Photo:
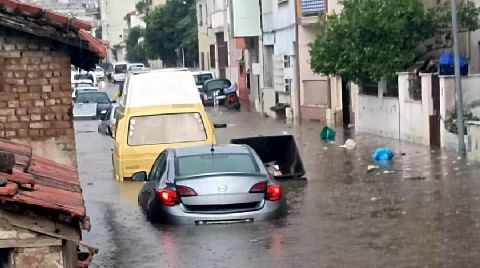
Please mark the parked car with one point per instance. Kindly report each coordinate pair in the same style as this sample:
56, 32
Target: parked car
84, 102
222, 90
105, 126
99, 73
209, 184
83, 89
202, 77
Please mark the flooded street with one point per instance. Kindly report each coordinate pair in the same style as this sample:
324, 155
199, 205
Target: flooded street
421, 211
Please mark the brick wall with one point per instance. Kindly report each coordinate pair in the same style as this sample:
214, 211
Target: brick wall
35, 94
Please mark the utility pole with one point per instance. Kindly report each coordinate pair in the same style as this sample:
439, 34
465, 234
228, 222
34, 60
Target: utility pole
458, 81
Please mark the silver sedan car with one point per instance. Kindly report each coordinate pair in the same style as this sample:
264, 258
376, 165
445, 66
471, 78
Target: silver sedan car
209, 185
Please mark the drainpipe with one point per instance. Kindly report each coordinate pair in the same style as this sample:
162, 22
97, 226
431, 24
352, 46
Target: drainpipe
298, 16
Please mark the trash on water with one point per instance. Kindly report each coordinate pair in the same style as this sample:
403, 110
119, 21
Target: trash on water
371, 168
325, 148
328, 134
382, 154
388, 172
349, 144
273, 169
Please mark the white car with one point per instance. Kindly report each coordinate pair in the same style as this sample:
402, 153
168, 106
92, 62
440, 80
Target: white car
84, 77
99, 73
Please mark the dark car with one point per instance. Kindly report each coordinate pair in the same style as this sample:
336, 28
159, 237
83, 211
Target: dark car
88, 98
210, 87
207, 185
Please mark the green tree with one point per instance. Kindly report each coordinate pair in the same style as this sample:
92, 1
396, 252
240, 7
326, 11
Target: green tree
169, 29
374, 39
135, 49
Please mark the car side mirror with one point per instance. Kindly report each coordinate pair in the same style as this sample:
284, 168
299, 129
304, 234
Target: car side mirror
139, 176
219, 125
113, 101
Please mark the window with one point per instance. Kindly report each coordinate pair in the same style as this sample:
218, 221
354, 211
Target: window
288, 85
286, 61
415, 87
166, 129
158, 167
200, 15
215, 163
392, 88
369, 88
202, 60
212, 56
5, 257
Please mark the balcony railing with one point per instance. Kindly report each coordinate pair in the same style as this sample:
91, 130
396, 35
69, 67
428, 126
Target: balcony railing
312, 7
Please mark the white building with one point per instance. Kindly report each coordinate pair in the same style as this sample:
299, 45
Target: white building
114, 26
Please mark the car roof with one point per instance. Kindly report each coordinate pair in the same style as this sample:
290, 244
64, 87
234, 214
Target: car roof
161, 88
206, 149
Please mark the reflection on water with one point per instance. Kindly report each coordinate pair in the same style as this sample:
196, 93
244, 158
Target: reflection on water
129, 190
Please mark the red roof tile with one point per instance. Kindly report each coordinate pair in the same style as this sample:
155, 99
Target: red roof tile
74, 28
42, 184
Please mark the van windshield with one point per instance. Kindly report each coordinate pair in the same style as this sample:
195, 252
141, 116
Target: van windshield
165, 129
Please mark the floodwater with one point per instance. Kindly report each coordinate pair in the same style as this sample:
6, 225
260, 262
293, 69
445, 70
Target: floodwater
421, 210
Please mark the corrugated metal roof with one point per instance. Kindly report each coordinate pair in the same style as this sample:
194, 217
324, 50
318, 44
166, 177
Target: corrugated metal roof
37, 182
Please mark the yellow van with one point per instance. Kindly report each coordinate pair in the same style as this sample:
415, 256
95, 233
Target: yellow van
158, 110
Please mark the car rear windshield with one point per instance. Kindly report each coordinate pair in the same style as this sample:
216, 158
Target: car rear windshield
92, 97
166, 129
83, 77
215, 163
121, 68
201, 78
218, 84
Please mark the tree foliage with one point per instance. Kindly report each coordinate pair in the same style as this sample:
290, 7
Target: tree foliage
169, 29
374, 39
135, 49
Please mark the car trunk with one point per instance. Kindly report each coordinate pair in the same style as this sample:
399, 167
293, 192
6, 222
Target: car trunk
225, 193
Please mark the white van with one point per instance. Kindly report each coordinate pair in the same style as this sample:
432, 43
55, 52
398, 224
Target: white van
120, 70
202, 76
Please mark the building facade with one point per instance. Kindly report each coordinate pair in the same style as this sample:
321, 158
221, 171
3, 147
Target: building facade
114, 26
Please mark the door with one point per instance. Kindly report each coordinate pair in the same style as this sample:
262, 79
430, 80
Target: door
154, 176
222, 51
346, 103
435, 117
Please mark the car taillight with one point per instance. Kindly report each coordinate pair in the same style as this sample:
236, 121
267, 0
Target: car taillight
274, 192
167, 197
259, 187
184, 191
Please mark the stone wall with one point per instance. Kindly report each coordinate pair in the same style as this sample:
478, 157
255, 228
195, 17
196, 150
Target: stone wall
35, 95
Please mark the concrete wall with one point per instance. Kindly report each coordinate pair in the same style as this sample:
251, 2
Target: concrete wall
377, 115
35, 96
415, 114
30, 249
471, 102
